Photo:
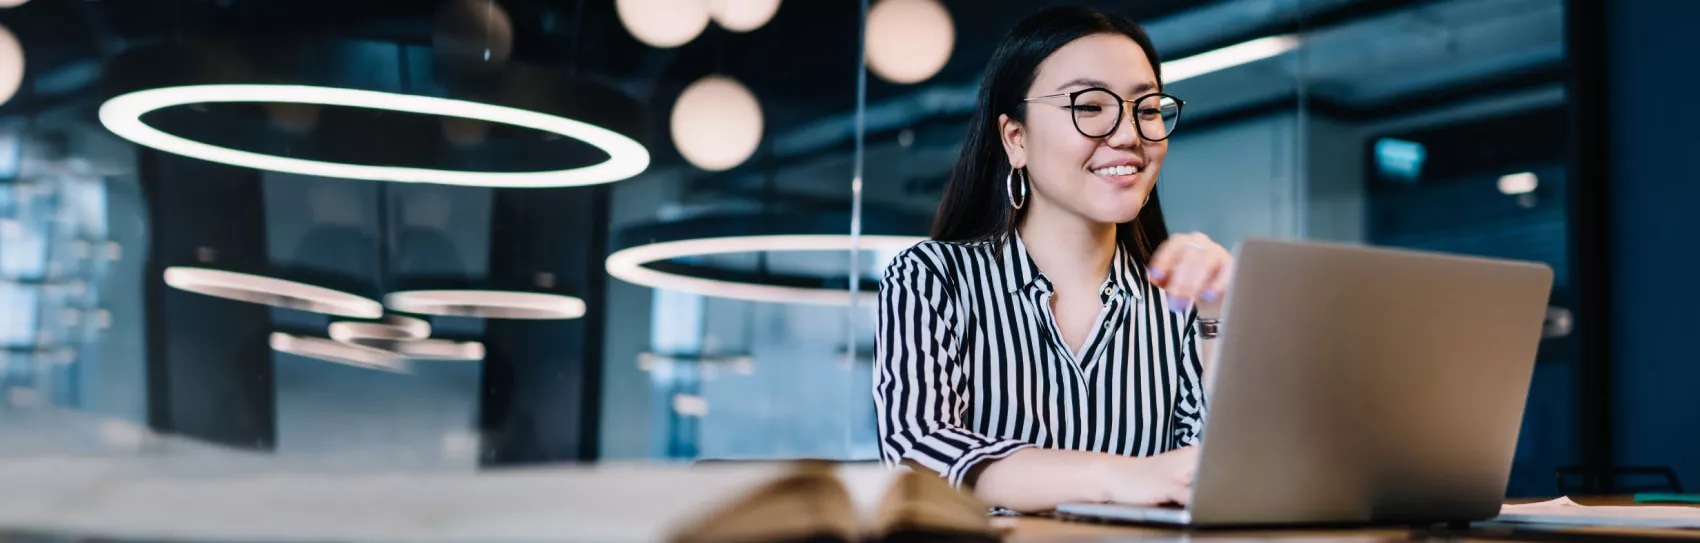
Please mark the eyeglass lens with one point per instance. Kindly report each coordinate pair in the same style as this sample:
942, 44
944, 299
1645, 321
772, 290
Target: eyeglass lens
1098, 112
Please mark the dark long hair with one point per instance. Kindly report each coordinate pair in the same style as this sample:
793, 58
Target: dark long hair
976, 200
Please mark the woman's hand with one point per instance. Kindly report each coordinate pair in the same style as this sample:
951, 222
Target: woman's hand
1192, 269
1153, 480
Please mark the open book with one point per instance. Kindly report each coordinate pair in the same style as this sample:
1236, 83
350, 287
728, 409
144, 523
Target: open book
813, 503
1564, 511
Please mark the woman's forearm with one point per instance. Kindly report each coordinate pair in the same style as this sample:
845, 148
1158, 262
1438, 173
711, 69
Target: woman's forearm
1035, 479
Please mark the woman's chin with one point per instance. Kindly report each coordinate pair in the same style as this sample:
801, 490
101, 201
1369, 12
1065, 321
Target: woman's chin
1118, 214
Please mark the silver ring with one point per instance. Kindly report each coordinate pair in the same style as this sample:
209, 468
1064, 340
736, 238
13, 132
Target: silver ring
1194, 245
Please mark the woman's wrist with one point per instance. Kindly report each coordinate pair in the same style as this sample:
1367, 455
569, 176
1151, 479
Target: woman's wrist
1208, 327
1105, 474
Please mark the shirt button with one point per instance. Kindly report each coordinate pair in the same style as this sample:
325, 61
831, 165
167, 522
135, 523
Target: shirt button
1106, 326
1109, 290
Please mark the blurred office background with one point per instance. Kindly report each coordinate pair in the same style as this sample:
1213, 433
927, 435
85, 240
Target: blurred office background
712, 306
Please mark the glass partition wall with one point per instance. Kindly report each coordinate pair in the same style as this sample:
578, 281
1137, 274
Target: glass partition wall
468, 234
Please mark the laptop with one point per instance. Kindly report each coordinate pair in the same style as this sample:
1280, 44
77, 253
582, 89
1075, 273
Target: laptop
1360, 385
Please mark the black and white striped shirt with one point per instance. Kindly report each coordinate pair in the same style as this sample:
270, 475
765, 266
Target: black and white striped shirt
970, 366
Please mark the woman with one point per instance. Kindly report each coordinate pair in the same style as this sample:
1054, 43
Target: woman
1045, 347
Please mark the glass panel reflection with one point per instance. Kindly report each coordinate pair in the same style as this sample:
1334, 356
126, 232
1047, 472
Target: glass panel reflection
661, 201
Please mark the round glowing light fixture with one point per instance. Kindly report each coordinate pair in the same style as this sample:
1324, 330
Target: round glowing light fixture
393, 327
909, 41
11, 64
12, 3
271, 291
663, 23
742, 15
424, 349
648, 262
497, 304
716, 123
1518, 183
341, 353
404, 337
123, 116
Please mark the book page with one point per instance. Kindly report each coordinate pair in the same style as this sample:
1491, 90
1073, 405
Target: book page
1568, 512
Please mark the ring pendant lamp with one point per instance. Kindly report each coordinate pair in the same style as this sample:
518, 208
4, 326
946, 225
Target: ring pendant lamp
156, 78
404, 337
647, 253
260, 289
339, 352
498, 304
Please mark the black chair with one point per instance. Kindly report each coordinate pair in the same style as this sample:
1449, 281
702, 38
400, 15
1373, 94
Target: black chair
1594, 483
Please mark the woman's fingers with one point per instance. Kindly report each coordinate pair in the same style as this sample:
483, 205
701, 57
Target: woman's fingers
1162, 263
1218, 285
1181, 495
1196, 269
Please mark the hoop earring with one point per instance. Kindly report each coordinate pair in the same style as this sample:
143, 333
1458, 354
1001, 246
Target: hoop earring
1009, 185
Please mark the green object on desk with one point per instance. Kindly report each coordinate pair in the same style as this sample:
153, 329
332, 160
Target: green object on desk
1657, 497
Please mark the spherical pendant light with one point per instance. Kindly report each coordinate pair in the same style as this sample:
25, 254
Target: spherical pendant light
909, 40
717, 123
742, 15
663, 23
11, 64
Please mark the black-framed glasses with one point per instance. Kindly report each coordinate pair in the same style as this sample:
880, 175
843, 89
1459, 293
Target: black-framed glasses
1098, 113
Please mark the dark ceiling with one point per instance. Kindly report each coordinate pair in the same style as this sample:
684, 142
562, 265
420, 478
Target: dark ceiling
802, 64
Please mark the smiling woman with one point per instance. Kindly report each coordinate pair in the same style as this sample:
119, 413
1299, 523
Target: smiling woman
1051, 273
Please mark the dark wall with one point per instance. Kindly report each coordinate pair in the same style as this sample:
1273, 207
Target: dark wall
541, 378
1653, 132
209, 364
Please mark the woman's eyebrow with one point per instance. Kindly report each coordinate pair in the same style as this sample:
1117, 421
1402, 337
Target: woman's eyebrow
1083, 82
1089, 82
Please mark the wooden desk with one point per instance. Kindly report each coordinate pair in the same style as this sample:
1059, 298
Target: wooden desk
1045, 530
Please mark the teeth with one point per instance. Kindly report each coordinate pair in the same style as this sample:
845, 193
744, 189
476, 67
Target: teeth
1116, 170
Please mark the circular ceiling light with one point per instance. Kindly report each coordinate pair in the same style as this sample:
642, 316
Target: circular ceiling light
424, 349
123, 116
909, 40
332, 351
496, 304
12, 3
742, 15
11, 64
663, 23
646, 263
393, 327
271, 291
404, 337
716, 123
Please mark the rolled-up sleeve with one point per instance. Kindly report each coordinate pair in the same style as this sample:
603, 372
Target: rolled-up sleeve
920, 390
1189, 411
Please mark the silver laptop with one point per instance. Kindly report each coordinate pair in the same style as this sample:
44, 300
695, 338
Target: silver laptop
1361, 385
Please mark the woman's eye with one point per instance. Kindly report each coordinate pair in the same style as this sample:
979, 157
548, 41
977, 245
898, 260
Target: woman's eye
1087, 108
1150, 112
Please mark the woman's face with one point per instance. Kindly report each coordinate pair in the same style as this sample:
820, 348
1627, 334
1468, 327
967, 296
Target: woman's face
1105, 179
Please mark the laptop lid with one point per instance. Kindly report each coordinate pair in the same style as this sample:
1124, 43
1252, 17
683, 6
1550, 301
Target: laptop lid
1358, 384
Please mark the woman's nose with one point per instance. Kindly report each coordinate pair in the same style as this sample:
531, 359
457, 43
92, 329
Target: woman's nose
1126, 133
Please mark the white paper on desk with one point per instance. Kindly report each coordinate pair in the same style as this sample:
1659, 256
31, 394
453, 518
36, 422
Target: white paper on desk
1567, 512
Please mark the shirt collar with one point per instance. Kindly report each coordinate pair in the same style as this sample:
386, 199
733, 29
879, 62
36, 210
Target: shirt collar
1019, 270
1126, 274
1021, 273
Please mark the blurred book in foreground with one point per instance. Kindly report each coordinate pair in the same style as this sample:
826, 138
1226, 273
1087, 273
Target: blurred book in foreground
813, 503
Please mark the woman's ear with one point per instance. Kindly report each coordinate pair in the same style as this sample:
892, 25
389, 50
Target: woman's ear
1014, 138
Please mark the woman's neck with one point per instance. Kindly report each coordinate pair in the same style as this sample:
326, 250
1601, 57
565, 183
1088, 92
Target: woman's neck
1069, 249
